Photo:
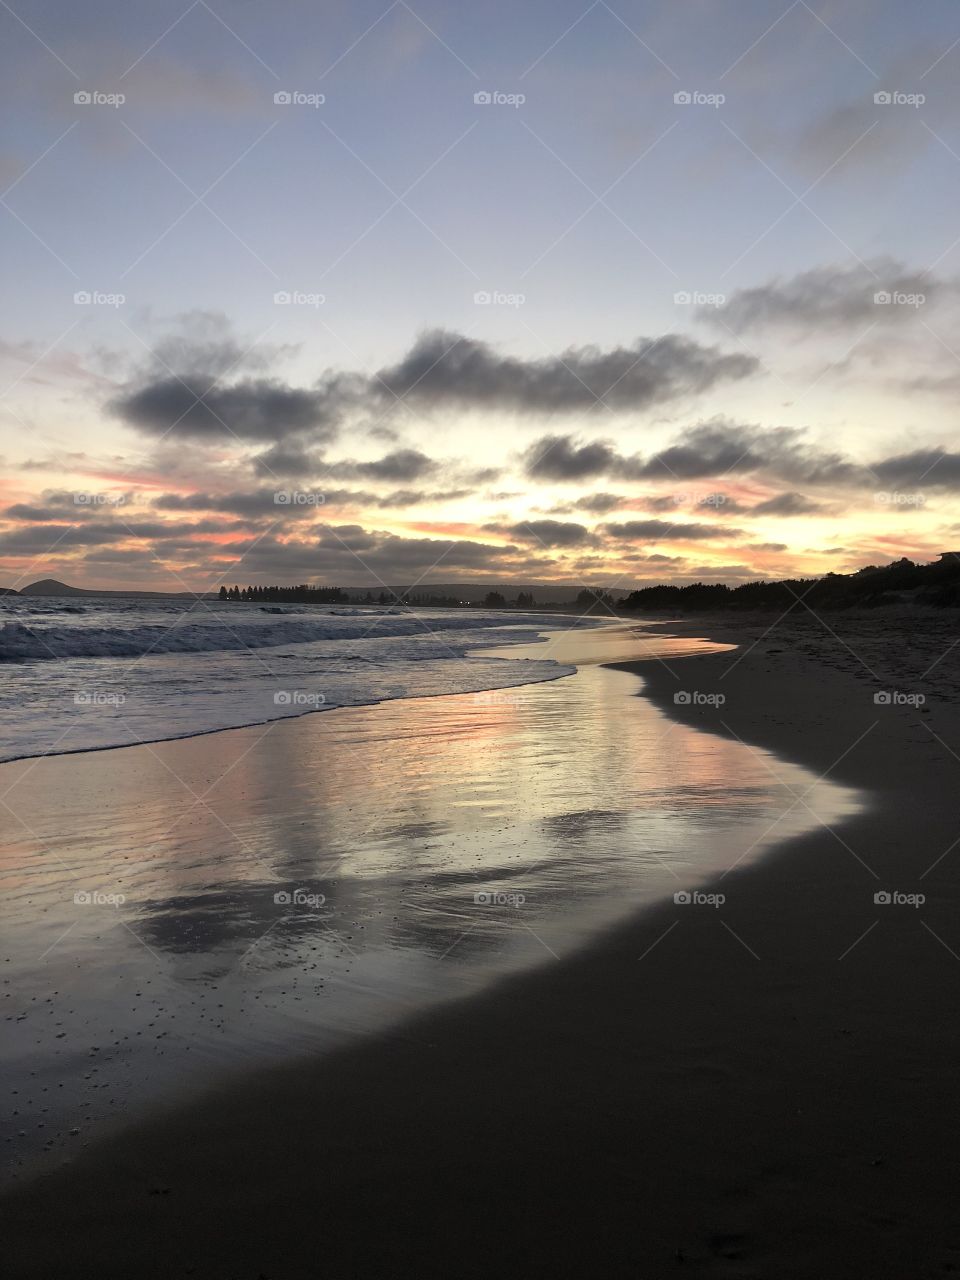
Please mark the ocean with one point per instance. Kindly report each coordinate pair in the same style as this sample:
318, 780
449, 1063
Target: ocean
87, 673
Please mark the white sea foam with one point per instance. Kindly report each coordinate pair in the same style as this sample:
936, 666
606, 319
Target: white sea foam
211, 631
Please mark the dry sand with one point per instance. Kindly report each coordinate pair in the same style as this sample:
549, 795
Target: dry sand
767, 1089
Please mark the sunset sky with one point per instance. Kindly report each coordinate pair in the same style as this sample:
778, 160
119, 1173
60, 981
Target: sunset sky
368, 293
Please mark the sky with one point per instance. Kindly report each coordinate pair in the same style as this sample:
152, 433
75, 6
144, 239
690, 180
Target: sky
383, 293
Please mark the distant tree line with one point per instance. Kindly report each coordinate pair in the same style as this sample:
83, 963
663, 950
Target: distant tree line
936, 584
302, 594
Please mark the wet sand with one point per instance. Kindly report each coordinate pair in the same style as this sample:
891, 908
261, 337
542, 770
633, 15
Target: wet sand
185, 911
767, 1088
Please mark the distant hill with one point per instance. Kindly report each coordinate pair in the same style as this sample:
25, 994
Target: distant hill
9, 591
51, 587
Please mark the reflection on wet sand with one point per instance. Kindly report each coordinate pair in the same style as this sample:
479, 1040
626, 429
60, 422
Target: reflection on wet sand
289, 885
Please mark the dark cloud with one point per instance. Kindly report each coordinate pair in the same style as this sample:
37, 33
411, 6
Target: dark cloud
416, 497
710, 450
186, 390
717, 572
787, 504
664, 530
401, 464
549, 533
26, 511
265, 503
723, 448
935, 468
41, 539
120, 555
444, 369
201, 381
288, 460
599, 504
562, 458
353, 554
347, 537
253, 410
254, 502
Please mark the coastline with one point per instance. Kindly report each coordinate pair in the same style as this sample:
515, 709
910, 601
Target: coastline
726, 1092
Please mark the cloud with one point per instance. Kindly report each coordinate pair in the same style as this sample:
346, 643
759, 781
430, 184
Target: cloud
788, 504
44, 539
186, 389
401, 464
354, 554
829, 297
288, 459
203, 344
253, 502
261, 409
599, 503
562, 458
202, 381
709, 450
934, 468
863, 134
549, 533
417, 497
664, 530
446, 369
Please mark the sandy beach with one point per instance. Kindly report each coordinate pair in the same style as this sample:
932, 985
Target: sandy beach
751, 1090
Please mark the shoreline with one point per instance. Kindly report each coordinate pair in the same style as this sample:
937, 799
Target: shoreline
726, 1091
